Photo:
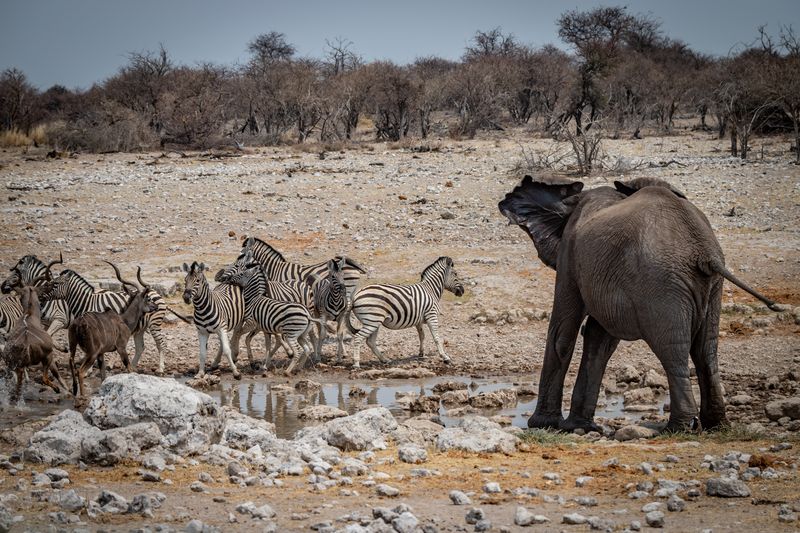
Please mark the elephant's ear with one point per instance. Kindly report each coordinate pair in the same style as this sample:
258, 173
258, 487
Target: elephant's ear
542, 210
629, 187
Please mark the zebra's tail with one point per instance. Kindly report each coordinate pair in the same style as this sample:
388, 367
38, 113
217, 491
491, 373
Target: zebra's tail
187, 319
350, 327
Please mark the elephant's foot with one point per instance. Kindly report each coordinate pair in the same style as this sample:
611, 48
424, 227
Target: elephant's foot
573, 423
711, 422
682, 424
545, 421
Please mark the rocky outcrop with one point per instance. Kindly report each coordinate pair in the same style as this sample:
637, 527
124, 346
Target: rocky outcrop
188, 419
362, 431
476, 434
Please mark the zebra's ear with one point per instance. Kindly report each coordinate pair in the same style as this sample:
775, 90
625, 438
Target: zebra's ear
202, 267
333, 265
185, 267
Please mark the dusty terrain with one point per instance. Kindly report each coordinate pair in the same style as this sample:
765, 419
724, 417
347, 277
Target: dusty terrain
396, 209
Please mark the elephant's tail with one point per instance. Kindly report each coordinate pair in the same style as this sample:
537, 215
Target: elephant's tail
719, 267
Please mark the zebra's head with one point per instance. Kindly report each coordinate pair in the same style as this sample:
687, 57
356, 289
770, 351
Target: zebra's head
244, 275
24, 272
237, 267
195, 276
444, 269
58, 287
336, 270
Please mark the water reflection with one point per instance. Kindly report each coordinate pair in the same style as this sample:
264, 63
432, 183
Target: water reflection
281, 404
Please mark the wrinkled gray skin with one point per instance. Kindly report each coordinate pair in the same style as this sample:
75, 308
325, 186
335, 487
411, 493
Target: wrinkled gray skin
638, 261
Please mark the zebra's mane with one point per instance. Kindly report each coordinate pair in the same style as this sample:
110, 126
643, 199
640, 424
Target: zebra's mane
77, 276
263, 248
430, 267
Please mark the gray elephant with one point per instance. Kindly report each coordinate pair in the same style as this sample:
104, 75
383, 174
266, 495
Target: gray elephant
641, 262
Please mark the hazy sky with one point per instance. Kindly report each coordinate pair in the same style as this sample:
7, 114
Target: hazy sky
79, 42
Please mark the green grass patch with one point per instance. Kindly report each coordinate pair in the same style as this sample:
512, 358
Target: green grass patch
545, 437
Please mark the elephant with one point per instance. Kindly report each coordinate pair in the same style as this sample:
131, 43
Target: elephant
636, 261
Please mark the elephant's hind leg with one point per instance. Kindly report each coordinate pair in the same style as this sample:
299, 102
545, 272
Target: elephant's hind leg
598, 345
704, 356
674, 356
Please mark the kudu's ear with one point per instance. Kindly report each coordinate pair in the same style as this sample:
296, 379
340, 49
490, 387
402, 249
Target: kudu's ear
542, 210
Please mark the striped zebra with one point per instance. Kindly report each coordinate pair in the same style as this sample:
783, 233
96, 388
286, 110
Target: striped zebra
403, 306
290, 321
330, 303
30, 269
276, 268
215, 311
294, 291
10, 311
82, 297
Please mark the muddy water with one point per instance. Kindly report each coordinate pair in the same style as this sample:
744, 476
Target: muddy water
257, 398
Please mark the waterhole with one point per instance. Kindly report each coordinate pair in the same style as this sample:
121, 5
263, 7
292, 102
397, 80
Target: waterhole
281, 405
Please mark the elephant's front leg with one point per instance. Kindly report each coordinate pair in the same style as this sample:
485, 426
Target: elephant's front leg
598, 346
565, 320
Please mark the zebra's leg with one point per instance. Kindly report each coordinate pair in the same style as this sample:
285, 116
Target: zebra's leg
340, 327
421, 333
158, 337
248, 341
300, 355
237, 334
271, 351
226, 349
433, 325
55, 326
372, 342
203, 339
138, 348
322, 334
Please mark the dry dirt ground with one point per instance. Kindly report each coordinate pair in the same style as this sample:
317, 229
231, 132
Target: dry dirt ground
395, 209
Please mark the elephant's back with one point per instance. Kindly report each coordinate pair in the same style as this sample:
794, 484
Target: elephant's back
640, 259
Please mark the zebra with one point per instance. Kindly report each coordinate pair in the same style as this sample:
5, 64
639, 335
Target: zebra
30, 269
276, 268
330, 303
82, 297
403, 306
299, 292
291, 321
10, 311
215, 311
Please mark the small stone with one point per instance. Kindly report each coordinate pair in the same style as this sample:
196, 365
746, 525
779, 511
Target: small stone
459, 498
652, 506
198, 486
474, 515
483, 525
574, 519
56, 474
646, 468
71, 501
655, 519
727, 488
586, 501
638, 494
405, 523
386, 490
492, 488
635, 525
412, 454
676, 503
582, 481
